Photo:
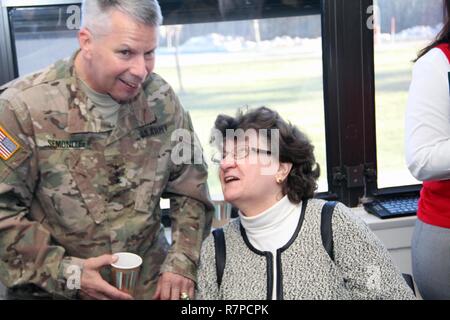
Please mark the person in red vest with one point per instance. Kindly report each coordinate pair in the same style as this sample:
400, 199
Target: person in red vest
427, 141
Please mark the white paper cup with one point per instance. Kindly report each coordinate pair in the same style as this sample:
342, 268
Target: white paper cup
222, 211
125, 271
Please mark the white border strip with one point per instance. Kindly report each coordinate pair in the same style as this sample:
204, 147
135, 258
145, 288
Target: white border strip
29, 3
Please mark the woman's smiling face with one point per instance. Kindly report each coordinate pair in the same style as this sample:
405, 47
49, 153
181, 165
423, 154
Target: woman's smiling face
248, 172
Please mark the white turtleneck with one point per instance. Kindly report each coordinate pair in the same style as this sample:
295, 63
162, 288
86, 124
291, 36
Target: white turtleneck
272, 229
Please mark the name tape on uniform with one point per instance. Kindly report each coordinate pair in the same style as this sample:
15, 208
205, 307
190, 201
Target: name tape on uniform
67, 144
149, 131
8, 146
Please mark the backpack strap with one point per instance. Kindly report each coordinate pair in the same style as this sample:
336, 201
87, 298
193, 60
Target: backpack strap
326, 230
219, 244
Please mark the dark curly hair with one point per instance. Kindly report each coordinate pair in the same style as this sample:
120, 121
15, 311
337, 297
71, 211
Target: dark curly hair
295, 148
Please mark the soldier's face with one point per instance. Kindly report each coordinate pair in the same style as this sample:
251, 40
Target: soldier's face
121, 58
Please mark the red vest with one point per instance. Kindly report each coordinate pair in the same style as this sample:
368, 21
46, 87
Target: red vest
434, 202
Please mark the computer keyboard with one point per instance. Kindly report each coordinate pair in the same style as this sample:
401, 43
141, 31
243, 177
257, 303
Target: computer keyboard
393, 207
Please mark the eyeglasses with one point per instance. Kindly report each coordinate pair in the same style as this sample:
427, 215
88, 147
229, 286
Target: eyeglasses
238, 154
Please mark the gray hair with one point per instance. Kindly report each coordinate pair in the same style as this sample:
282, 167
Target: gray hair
95, 13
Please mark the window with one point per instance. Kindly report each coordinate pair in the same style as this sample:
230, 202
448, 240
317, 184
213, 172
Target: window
218, 67
402, 28
238, 54
43, 35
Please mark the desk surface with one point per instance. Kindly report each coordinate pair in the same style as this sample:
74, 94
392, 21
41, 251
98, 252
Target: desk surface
372, 221
376, 223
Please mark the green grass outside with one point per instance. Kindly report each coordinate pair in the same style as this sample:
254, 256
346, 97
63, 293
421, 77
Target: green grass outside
292, 84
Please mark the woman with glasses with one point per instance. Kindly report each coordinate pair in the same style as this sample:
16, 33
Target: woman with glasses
275, 248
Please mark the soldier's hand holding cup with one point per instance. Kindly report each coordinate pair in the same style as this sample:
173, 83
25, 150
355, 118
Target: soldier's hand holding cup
93, 286
125, 271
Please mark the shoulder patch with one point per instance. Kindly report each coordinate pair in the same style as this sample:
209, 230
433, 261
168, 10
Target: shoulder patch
8, 146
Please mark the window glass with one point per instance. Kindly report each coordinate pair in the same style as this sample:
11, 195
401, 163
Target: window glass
402, 28
219, 67
43, 35
214, 67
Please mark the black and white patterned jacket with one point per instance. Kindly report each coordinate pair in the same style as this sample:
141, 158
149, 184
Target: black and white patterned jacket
362, 269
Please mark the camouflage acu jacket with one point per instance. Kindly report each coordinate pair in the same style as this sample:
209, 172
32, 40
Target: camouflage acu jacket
69, 190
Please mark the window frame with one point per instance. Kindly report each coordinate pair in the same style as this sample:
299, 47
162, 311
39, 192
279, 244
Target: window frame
349, 98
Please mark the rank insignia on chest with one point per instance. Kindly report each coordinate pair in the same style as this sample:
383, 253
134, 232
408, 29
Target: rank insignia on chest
150, 131
8, 146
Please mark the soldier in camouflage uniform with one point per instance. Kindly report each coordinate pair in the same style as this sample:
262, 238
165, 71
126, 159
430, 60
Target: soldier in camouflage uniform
76, 186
